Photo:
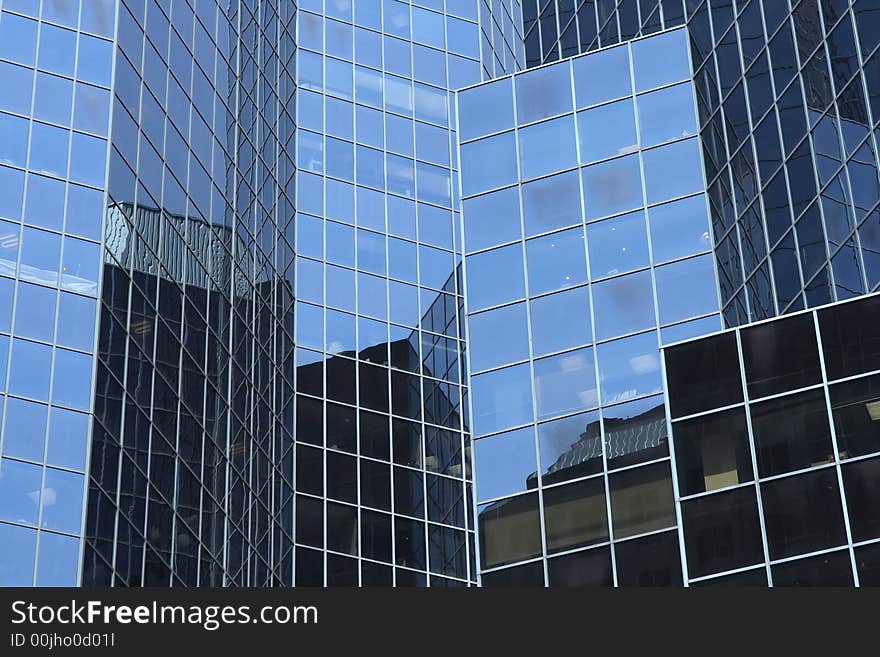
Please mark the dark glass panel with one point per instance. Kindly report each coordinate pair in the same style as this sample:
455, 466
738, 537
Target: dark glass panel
833, 569
850, 341
861, 484
712, 451
649, 561
780, 356
581, 569
722, 532
531, 574
509, 530
575, 515
641, 500
703, 374
803, 513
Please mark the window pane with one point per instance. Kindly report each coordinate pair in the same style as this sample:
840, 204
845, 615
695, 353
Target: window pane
551, 203
722, 532
849, 338
547, 147
618, 245
679, 228
607, 131
498, 337
68, 433
855, 407
602, 76
17, 82
531, 574
501, 399
495, 277
565, 383
18, 38
35, 312
712, 452
661, 59
556, 261
641, 500
612, 187
780, 356
629, 368
570, 447
505, 464
649, 561
753, 577
623, 305
686, 289
492, 219
24, 433
59, 560
510, 530
543, 92
824, 570
673, 170
590, 568
485, 109
560, 321
20, 491
575, 515
30, 369
40, 253
802, 513
868, 564
667, 114
45, 202
19, 549
635, 432
703, 375
791, 433
861, 482
488, 163
71, 384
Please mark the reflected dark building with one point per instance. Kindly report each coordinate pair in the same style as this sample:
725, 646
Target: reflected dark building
778, 466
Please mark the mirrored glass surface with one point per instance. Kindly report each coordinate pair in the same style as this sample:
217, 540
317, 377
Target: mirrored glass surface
565, 383
623, 305
516, 450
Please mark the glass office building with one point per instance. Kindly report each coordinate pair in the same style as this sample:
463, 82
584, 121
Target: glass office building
787, 95
776, 449
586, 234
279, 307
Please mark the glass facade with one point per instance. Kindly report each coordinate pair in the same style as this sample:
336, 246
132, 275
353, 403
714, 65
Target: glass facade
787, 96
777, 469
586, 237
55, 72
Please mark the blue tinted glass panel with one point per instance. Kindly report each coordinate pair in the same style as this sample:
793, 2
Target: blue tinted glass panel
29, 372
501, 399
49, 149
495, 277
45, 202
68, 433
485, 109
35, 312
80, 266
19, 491
62, 501
58, 560
498, 337
556, 261
565, 383
13, 140
19, 549
602, 76
547, 147
667, 114
612, 187
18, 38
673, 170
52, 99
629, 368
488, 163
692, 329
7, 288
560, 321
12, 183
543, 92
516, 450
17, 83
552, 203
618, 245
607, 131
73, 375
686, 289
24, 431
661, 59
84, 211
623, 305
57, 49
679, 228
